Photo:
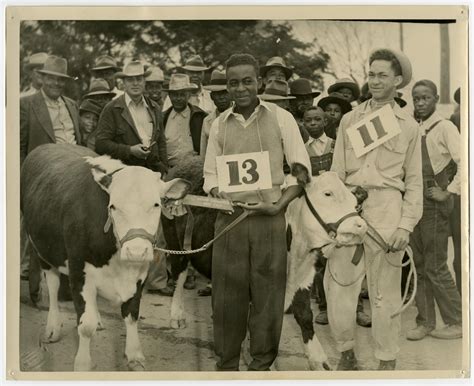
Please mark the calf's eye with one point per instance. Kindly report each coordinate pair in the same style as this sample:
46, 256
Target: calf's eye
111, 207
328, 194
156, 205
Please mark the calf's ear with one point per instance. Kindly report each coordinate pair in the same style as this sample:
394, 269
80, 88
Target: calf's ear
101, 177
99, 166
301, 173
175, 189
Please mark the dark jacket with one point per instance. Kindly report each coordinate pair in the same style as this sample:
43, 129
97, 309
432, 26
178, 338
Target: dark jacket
116, 133
195, 124
36, 127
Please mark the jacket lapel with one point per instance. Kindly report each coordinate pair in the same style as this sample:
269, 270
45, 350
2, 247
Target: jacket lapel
73, 113
127, 116
42, 113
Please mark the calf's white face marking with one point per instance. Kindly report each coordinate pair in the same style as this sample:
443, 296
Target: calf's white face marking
332, 200
135, 203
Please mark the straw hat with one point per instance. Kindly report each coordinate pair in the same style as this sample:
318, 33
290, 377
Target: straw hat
54, 65
276, 90
195, 63
276, 61
36, 60
133, 68
156, 75
180, 82
218, 81
104, 62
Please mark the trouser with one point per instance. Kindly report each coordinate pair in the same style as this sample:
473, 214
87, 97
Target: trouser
158, 273
248, 281
429, 242
343, 280
319, 282
455, 224
24, 250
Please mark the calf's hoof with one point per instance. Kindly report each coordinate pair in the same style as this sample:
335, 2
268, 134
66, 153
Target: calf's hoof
348, 361
178, 323
82, 365
52, 334
136, 365
319, 366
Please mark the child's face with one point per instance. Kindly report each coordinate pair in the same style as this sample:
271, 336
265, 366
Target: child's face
314, 122
88, 121
334, 111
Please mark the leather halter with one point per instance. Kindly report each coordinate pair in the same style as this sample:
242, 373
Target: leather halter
330, 228
132, 233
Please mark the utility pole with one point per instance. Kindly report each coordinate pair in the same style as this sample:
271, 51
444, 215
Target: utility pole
401, 37
444, 64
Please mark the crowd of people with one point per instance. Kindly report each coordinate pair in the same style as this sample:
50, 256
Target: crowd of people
140, 116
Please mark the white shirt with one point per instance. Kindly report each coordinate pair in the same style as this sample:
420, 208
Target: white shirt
318, 145
293, 146
443, 144
201, 99
141, 118
179, 142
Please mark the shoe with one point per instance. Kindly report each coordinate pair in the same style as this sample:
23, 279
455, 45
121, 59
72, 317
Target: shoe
167, 291
322, 318
348, 361
453, 331
207, 291
387, 365
418, 333
190, 282
364, 293
363, 319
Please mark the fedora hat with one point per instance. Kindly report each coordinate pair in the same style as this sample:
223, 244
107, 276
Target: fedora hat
195, 63
99, 86
90, 106
345, 83
36, 60
104, 62
337, 98
133, 68
54, 65
405, 65
302, 86
276, 61
218, 81
156, 75
276, 90
180, 82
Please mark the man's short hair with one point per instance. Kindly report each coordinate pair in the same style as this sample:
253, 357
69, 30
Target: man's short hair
242, 59
389, 57
427, 83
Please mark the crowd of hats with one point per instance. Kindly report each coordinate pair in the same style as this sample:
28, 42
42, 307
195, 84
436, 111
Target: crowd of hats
275, 89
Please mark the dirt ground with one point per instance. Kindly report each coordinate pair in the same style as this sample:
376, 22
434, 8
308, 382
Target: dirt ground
191, 349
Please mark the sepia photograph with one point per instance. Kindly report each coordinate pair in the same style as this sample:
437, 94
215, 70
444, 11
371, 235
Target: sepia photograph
211, 192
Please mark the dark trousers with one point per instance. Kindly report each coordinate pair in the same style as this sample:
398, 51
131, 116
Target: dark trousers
455, 224
319, 283
429, 242
248, 288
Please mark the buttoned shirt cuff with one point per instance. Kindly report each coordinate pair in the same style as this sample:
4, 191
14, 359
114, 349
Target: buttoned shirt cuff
453, 188
407, 224
210, 183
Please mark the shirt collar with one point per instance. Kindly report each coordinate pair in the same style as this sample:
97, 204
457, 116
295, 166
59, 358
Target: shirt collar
432, 119
129, 100
323, 139
185, 113
229, 112
397, 110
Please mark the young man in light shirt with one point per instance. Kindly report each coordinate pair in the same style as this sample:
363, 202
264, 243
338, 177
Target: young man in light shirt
249, 262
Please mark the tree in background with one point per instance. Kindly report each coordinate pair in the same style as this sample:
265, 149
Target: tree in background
167, 44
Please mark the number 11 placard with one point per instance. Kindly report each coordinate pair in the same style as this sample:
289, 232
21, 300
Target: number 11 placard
244, 172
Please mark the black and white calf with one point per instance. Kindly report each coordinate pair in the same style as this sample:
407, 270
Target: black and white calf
96, 220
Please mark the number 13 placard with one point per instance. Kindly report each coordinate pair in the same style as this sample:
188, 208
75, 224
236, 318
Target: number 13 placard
244, 172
